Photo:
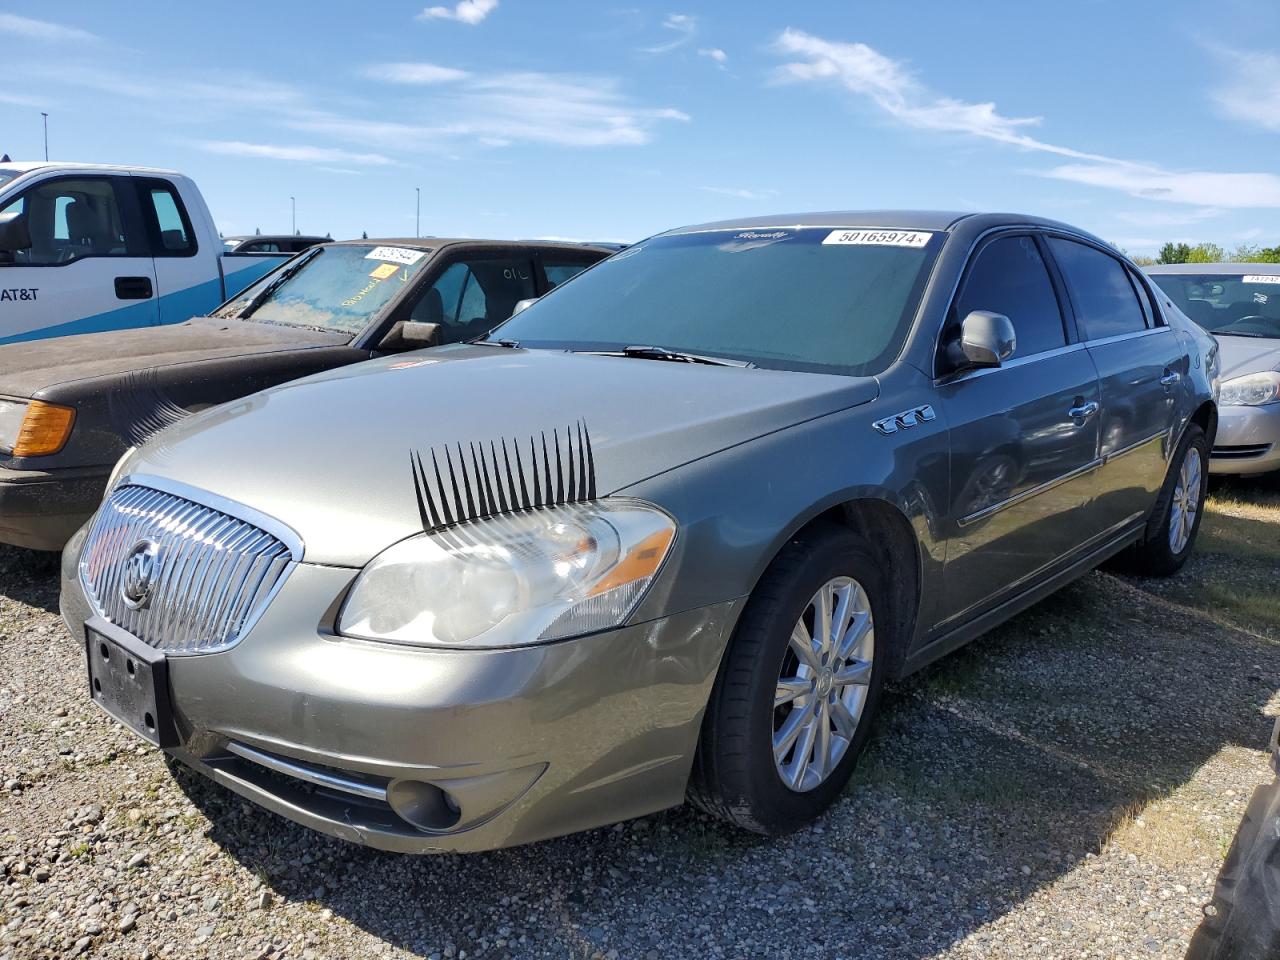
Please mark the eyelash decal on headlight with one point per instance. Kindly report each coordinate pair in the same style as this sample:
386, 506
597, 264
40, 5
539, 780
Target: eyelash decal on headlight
476, 483
141, 408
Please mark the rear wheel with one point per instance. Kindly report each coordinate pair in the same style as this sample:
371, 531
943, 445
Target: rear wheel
793, 705
1171, 534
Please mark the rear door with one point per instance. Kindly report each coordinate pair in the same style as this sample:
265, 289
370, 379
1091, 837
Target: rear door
1141, 364
89, 266
1024, 435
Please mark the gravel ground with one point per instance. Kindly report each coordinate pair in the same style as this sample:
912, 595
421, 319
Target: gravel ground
1064, 787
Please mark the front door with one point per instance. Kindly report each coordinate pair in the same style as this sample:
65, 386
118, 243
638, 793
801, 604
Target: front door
1024, 435
1141, 368
88, 267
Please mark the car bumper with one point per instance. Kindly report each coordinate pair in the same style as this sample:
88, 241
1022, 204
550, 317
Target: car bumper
520, 745
1248, 440
40, 510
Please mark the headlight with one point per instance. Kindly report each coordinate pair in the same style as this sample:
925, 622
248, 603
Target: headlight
34, 428
542, 575
1252, 390
118, 469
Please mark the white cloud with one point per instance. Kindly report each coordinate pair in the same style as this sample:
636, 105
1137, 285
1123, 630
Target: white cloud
297, 154
1168, 218
20, 100
42, 29
714, 53
1251, 91
414, 73
891, 87
470, 12
683, 25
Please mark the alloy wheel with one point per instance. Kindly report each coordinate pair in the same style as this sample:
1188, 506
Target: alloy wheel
1186, 501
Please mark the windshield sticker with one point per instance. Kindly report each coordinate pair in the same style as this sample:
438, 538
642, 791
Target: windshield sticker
1261, 278
880, 238
395, 255
368, 288
1260, 298
384, 270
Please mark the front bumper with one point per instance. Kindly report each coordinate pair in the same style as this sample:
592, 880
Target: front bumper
525, 743
1248, 440
40, 510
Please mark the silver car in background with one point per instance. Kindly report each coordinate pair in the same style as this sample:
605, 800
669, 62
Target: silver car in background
1239, 303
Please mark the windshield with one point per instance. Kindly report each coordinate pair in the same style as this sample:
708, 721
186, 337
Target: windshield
1229, 304
809, 298
338, 288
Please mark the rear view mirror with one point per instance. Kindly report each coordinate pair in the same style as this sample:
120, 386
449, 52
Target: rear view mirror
14, 235
522, 305
411, 335
986, 340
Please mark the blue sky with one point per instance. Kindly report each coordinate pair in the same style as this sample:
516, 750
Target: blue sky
1142, 121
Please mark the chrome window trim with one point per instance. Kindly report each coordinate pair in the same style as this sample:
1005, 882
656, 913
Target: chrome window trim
1131, 335
1017, 498
966, 375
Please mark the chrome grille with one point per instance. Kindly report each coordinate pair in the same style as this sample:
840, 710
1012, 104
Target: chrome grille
213, 573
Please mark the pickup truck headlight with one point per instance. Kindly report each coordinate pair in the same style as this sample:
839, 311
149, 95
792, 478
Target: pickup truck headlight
545, 574
34, 428
1252, 390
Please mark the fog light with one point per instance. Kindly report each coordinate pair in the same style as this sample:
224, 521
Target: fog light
424, 805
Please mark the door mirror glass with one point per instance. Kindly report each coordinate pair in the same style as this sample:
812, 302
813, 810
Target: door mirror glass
986, 340
14, 235
411, 335
523, 304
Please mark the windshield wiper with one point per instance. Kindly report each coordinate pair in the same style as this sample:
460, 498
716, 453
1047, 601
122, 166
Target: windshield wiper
1239, 333
675, 356
247, 310
497, 342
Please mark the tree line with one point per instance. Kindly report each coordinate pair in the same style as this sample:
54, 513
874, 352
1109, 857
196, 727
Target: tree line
1211, 253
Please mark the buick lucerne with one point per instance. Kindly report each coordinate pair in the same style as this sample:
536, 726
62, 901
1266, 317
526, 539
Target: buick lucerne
684, 517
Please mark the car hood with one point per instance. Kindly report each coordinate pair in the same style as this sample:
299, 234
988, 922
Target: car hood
1244, 355
334, 456
30, 367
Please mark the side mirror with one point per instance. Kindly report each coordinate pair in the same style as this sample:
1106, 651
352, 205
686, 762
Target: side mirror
410, 335
522, 305
14, 234
986, 340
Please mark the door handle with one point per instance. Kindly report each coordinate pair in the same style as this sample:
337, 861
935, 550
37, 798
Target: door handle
1083, 411
1170, 378
133, 288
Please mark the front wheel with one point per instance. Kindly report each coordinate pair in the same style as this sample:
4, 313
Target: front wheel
1175, 521
792, 707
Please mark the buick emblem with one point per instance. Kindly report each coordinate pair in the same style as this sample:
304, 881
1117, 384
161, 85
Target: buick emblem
141, 568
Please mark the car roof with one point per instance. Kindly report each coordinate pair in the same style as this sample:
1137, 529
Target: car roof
436, 243
889, 219
1226, 269
278, 236
26, 166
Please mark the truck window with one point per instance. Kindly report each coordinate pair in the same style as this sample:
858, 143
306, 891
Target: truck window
472, 297
167, 220
70, 219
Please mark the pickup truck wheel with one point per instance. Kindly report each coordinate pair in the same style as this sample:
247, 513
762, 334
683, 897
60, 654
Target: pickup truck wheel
793, 705
1175, 520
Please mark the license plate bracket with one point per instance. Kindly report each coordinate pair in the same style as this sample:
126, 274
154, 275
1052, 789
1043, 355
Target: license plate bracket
130, 682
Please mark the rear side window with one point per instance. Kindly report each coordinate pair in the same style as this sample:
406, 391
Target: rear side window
1106, 303
1010, 277
558, 273
167, 221
472, 297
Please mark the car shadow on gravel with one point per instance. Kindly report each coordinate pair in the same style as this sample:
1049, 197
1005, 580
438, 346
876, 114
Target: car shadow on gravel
993, 774
30, 577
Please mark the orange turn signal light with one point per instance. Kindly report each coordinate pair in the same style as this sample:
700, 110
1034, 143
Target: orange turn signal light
45, 429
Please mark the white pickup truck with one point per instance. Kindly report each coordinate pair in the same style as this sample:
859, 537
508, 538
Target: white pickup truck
90, 247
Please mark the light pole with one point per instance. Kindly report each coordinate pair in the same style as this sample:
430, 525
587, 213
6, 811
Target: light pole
293, 215
417, 211
46, 135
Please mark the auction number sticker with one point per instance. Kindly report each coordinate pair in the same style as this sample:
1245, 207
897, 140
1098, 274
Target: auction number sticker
880, 238
395, 255
1261, 278
384, 270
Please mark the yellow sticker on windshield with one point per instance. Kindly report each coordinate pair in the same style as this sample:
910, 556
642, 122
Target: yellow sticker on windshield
384, 270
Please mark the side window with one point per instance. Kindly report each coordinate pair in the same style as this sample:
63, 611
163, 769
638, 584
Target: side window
1009, 276
167, 221
472, 297
558, 273
69, 220
263, 246
1105, 301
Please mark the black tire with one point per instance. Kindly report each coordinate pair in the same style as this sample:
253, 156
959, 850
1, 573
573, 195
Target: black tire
734, 776
1153, 556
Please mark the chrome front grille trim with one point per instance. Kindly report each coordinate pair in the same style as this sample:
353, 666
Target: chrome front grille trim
216, 567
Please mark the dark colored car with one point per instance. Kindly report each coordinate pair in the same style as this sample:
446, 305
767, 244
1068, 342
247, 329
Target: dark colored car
70, 406
675, 526
272, 243
1244, 920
